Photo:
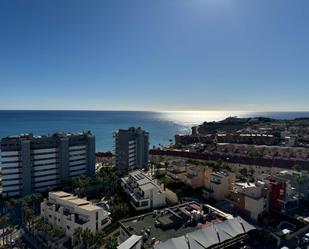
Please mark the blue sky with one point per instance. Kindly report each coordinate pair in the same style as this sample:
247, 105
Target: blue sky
154, 54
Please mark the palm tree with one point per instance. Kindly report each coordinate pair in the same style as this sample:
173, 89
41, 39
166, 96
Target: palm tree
80, 183
28, 215
20, 244
4, 218
9, 231
87, 237
99, 239
111, 243
99, 182
77, 235
35, 199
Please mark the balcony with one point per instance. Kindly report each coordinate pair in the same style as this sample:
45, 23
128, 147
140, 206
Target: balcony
215, 181
79, 220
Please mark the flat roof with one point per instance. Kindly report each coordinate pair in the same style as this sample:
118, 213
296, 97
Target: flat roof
91, 207
74, 200
173, 222
61, 194
148, 186
79, 202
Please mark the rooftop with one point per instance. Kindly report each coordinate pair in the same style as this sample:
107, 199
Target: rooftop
30, 136
213, 235
74, 200
171, 222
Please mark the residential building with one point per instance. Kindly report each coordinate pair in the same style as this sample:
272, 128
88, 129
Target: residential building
143, 192
196, 176
70, 212
298, 180
131, 150
250, 198
189, 220
134, 242
36, 163
228, 234
283, 197
219, 185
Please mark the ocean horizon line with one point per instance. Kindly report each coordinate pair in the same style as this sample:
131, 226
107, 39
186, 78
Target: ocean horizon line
136, 110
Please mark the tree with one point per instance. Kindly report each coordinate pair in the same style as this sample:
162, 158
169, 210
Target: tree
28, 215
99, 182
35, 199
87, 237
9, 231
252, 171
119, 210
111, 243
81, 183
77, 235
4, 218
99, 238
243, 172
20, 244
166, 164
296, 167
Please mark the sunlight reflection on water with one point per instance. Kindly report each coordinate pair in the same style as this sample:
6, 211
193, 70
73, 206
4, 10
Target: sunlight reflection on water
198, 117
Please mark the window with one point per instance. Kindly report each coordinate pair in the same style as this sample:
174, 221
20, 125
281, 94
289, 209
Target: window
144, 203
104, 222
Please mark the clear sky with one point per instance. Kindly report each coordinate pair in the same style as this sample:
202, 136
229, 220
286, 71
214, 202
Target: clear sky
154, 54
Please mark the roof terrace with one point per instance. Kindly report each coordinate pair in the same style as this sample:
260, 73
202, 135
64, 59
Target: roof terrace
161, 225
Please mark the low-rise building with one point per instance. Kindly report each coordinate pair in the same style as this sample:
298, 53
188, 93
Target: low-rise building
228, 234
283, 197
219, 185
196, 176
298, 180
191, 220
69, 212
250, 197
143, 192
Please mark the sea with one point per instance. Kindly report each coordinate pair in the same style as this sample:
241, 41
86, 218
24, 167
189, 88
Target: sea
162, 126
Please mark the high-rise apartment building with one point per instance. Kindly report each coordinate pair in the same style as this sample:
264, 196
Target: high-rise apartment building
131, 149
34, 163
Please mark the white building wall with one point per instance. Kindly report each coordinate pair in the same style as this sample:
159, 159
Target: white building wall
255, 207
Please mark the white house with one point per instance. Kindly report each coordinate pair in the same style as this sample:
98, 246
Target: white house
70, 212
142, 191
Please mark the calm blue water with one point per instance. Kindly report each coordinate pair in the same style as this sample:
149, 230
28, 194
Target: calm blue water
161, 125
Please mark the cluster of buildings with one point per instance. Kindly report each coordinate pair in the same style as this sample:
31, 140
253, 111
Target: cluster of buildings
278, 192
37, 163
184, 226
264, 151
241, 138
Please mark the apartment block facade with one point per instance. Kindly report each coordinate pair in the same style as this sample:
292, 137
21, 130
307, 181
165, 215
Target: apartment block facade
250, 198
143, 192
219, 185
70, 212
131, 149
35, 163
